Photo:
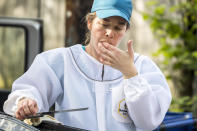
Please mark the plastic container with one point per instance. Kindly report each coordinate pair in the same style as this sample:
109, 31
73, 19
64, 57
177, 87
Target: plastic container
177, 122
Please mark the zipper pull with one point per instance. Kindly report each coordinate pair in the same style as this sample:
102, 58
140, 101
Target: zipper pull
102, 75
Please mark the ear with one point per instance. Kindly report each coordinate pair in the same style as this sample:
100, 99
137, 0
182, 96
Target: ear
89, 25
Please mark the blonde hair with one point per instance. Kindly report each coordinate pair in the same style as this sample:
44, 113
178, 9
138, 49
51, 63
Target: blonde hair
90, 17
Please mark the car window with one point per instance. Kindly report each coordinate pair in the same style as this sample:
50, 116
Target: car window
12, 55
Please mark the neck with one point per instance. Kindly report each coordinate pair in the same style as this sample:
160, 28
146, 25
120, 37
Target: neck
91, 51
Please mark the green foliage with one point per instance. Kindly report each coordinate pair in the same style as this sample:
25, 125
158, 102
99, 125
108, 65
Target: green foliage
12, 47
175, 27
184, 104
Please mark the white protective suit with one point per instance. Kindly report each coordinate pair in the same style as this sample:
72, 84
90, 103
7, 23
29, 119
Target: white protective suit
71, 78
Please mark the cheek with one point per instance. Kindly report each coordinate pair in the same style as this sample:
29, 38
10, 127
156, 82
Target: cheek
118, 38
121, 34
97, 34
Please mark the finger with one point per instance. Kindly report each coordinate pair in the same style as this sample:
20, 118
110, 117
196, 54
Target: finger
33, 107
109, 46
130, 48
113, 51
106, 51
21, 117
20, 110
26, 108
105, 62
20, 114
104, 57
17, 114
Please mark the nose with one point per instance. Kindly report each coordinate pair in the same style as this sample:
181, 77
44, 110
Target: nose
109, 33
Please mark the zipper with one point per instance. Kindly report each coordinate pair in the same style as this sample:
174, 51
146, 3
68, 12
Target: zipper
102, 75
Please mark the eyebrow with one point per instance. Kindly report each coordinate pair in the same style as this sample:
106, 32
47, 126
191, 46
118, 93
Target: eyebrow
120, 22
106, 19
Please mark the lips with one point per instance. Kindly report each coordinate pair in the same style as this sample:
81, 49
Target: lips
104, 42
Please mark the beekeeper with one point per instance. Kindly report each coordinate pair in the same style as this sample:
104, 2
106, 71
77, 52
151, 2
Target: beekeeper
124, 91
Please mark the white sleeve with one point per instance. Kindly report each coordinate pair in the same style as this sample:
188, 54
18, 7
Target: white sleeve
143, 99
147, 96
39, 83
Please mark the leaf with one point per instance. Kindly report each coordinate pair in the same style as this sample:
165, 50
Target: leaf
160, 10
194, 54
146, 16
151, 3
173, 9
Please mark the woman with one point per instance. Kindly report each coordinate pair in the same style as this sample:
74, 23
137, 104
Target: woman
123, 90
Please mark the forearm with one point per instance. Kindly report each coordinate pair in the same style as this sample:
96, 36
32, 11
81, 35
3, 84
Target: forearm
146, 106
10, 105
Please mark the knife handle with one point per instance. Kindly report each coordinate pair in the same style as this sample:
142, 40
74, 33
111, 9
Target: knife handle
35, 116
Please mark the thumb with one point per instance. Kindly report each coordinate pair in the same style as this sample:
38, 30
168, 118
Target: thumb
130, 48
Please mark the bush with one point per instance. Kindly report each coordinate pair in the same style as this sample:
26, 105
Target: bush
175, 27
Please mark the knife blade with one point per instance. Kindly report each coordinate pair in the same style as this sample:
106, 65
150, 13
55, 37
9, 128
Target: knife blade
53, 112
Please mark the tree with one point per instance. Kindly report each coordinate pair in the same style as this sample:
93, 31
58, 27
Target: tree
75, 21
175, 27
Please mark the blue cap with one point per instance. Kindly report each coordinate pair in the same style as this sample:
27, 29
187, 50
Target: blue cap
107, 8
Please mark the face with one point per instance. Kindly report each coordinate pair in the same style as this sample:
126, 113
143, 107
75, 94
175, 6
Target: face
110, 30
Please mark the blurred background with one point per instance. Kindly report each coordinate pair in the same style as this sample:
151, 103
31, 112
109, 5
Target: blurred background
166, 31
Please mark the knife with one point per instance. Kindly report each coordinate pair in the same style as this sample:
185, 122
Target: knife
53, 112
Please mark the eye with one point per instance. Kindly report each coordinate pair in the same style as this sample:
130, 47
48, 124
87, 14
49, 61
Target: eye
117, 28
105, 25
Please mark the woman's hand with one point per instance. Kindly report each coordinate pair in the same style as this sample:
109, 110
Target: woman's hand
118, 59
26, 107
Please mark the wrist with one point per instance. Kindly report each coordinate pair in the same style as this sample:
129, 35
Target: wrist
131, 73
127, 76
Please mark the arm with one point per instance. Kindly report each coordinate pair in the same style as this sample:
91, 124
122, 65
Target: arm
147, 96
144, 88
40, 83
